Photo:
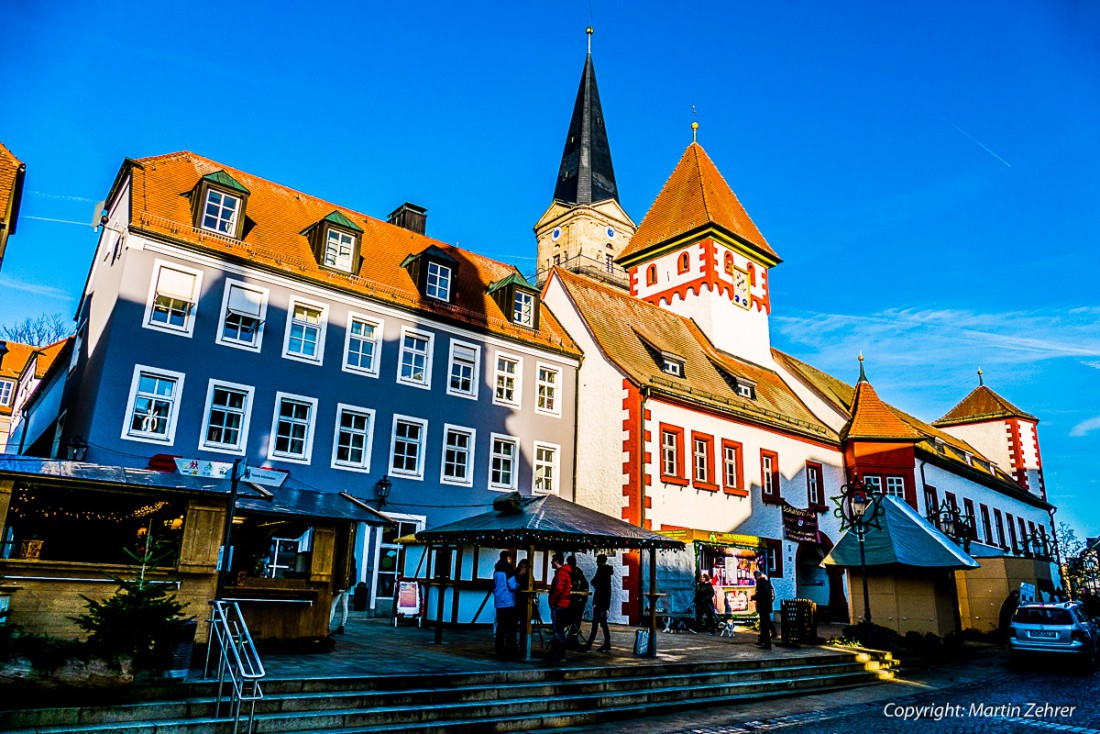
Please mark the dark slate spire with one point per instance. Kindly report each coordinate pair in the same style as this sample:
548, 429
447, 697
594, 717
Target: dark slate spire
586, 174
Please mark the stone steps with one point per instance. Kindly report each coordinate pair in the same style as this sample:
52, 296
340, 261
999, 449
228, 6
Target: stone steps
493, 701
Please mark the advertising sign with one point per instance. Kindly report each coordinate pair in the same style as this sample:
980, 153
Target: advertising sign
202, 468
799, 525
408, 598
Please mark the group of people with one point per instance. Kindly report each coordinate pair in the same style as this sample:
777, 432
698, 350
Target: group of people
764, 596
567, 600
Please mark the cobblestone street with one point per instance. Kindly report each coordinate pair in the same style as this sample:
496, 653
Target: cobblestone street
982, 696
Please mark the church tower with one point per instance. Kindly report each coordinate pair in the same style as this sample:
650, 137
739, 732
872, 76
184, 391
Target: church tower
697, 253
585, 229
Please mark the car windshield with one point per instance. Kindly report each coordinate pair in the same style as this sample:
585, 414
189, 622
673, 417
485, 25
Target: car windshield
1042, 615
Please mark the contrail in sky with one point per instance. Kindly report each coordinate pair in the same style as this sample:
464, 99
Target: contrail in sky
977, 142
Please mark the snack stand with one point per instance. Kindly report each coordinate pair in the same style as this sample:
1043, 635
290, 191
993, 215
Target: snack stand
728, 558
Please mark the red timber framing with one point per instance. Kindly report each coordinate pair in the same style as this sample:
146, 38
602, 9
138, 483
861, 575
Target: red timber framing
706, 270
636, 484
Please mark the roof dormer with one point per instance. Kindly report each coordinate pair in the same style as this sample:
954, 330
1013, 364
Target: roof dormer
433, 271
218, 203
518, 299
335, 241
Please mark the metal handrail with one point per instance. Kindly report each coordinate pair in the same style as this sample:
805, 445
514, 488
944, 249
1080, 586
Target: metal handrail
237, 660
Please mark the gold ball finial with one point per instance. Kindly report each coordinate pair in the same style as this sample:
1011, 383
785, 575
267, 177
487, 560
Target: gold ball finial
588, 30
861, 356
694, 132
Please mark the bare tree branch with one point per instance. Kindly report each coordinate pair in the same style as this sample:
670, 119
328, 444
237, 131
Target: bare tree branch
38, 332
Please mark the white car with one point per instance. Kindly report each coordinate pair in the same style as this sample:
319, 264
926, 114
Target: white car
1055, 629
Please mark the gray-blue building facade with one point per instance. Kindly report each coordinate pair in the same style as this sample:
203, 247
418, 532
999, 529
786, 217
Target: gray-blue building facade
227, 317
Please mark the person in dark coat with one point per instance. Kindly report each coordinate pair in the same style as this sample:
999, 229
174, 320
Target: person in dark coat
504, 599
704, 602
560, 589
578, 601
764, 598
601, 603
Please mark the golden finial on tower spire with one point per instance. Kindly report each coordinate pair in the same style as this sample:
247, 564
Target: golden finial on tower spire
862, 374
981, 381
695, 125
589, 31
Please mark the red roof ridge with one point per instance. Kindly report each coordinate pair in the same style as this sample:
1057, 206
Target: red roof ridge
982, 404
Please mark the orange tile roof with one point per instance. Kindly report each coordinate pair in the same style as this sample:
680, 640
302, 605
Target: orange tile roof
841, 396
275, 217
981, 405
873, 419
695, 195
20, 355
9, 170
621, 326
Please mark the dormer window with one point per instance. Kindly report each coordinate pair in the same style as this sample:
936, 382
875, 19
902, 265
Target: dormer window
219, 203
220, 213
439, 281
338, 249
518, 299
335, 242
746, 389
523, 312
672, 365
433, 271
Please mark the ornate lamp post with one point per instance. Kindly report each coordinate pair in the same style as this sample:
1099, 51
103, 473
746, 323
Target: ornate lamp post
859, 510
956, 526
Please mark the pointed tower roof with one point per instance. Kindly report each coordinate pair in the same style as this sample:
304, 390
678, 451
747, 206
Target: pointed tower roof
586, 174
872, 419
981, 405
696, 197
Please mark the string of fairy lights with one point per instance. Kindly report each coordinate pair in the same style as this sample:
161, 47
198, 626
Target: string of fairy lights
26, 505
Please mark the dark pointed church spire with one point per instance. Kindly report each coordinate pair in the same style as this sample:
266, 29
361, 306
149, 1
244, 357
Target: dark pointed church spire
586, 174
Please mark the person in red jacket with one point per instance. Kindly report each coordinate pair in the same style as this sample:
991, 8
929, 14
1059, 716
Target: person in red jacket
560, 589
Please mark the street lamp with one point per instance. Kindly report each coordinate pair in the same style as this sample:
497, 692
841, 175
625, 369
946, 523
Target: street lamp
859, 510
956, 526
382, 490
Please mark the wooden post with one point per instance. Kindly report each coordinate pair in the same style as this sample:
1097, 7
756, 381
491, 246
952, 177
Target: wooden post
439, 578
652, 651
530, 602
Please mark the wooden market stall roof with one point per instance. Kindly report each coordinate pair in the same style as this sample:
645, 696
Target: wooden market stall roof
547, 523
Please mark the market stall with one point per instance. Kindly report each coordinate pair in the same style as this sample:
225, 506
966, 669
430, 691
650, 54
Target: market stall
537, 526
729, 559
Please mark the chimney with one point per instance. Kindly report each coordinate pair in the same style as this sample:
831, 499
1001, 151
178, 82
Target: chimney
410, 216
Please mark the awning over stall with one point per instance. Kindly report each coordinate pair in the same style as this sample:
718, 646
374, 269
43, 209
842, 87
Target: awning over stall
546, 522
101, 474
306, 503
903, 537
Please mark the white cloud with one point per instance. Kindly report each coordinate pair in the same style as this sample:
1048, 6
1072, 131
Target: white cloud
1085, 427
46, 291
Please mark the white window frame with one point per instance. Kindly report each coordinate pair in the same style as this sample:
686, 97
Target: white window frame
378, 340
188, 329
7, 397
813, 486
246, 418
329, 232
555, 468
448, 429
539, 367
895, 483
423, 423
169, 437
232, 232
322, 328
517, 311
220, 337
731, 465
518, 388
445, 273
872, 483
700, 460
310, 429
670, 452
408, 331
364, 465
493, 438
475, 380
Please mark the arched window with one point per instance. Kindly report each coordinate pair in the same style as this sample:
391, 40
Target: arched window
729, 263
685, 263
651, 275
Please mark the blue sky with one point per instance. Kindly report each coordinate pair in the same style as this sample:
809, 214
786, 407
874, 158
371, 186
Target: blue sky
930, 172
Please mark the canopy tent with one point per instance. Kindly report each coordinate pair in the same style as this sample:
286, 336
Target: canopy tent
551, 523
901, 537
546, 523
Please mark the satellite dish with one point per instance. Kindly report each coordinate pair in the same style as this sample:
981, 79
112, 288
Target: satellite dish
99, 215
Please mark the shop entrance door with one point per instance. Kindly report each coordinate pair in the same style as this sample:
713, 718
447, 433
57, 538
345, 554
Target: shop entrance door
386, 554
